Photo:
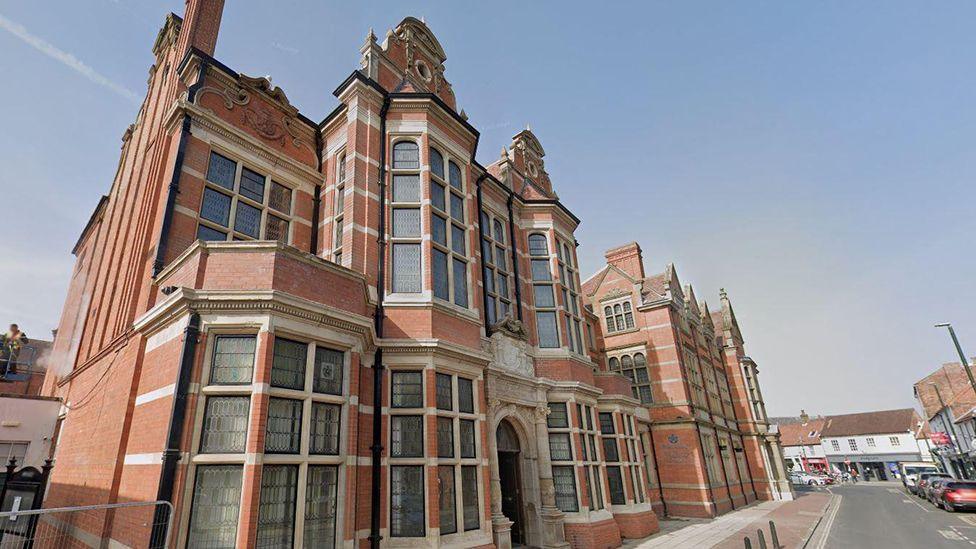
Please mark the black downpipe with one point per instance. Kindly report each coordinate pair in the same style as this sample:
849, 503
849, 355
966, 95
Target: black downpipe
174, 183
317, 199
515, 263
171, 455
377, 447
725, 472
481, 234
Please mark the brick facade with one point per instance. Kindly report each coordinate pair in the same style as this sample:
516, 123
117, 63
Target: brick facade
261, 271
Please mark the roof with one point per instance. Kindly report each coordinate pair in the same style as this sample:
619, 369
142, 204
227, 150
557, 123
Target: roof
655, 287
801, 434
871, 423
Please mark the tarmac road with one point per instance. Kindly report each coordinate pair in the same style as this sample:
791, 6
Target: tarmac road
883, 515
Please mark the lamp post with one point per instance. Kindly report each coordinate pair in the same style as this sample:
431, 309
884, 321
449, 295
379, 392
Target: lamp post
952, 427
962, 355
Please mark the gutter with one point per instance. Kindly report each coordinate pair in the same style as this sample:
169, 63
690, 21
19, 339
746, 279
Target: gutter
378, 316
174, 183
317, 199
171, 455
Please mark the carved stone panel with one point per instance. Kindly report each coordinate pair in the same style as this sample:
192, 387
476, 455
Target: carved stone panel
509, 354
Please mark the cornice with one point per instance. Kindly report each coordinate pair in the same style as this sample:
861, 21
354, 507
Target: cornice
432, 347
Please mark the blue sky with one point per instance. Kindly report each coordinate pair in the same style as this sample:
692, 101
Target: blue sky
815, 159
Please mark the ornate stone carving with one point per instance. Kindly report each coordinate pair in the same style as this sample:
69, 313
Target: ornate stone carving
542, 413
509, 353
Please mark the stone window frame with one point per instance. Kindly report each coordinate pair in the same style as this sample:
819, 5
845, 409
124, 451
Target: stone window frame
709, 447
618, 315
569, 290
588, 430
448, 247
338, 204
630, 438
415, 461
694, 377
490, 269
549, 283
413, 241
566, 463
301, 460
457, 461
236, 198
616, 363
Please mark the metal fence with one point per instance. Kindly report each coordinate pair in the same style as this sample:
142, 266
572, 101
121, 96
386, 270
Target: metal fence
139, 524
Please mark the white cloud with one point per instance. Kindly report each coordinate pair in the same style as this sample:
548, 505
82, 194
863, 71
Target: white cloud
284, 48
66, 59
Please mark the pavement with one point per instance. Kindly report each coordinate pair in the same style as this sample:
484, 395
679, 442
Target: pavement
795, 521
876, 515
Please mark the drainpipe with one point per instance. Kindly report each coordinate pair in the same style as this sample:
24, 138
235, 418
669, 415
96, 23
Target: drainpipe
171, 455
174, 183
481, 233
378, 315
515, 263
317, 199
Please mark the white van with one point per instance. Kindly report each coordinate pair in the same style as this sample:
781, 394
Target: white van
910, 470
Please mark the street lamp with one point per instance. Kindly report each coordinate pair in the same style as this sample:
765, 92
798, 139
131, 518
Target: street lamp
962, 355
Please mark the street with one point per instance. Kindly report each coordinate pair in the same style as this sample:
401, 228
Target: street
883, 515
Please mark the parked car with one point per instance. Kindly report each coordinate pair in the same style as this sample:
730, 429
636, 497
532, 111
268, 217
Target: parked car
923, 482
953, 495
802, 477
931, 489
912, 471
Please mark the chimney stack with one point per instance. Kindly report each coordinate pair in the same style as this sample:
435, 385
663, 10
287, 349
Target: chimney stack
628, 258
201, 23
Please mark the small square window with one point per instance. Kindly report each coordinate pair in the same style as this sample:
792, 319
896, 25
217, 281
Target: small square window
225, 425
252, 185
457, 207
407, 436
457, 240
606, 423
408, 389
216, 207
406, 188
406, 268
233, 360
275, 228
207, 234
280, 198
222, 171
610, 453
540, 270
559, 448
406, 222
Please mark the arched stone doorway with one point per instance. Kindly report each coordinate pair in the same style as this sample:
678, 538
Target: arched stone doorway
510, 479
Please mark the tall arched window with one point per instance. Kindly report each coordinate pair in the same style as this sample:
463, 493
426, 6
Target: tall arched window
611, 325
543, 292
340, 207
628, 315
449, 267
406, 237
635, 368
614, 364
495, 269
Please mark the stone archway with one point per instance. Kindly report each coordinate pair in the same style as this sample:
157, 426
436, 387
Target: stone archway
513, 451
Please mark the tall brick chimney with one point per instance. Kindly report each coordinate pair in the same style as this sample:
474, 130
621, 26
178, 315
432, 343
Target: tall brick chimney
201, 22
628, 259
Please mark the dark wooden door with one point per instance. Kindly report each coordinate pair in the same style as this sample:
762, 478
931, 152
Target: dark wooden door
511, 483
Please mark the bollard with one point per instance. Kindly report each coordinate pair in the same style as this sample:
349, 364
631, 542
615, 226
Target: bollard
773, 538
748, 542
762, 539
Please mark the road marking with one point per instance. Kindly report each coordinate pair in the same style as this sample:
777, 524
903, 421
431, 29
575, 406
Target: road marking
829, 522
894, 490
916, 504
950, 534
968, 519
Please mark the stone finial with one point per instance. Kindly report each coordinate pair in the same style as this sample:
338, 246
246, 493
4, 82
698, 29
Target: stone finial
370, 36
722, 294
504, 155
464, 115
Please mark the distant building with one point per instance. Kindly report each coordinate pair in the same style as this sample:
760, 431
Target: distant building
800, 438
874, 443
947, 399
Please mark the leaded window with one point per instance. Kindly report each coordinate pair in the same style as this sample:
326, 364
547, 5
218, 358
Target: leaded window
635, 368
569, 279
405, 214
276, 513
468, 448
619, 317
324, 431
233, 360
469, 492
216, 506
449, 264
408, 389
407, 436
239, 203
445, 437
495, 267
340, 208
284, 429
407, 501
225, 421
465, 395
288, 365
327, 373
564, 481
558, 416
445, 398
447, 500
321, 490
544, 292
559, 448
616, 482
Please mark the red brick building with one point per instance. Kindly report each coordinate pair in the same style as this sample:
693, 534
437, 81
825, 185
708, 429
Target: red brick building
330, 333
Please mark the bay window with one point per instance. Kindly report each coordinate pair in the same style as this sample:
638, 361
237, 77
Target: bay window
543, 292
495, 267
405, 218
449, 267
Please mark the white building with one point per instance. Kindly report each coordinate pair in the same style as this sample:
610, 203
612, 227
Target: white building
801, 445
874, 443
